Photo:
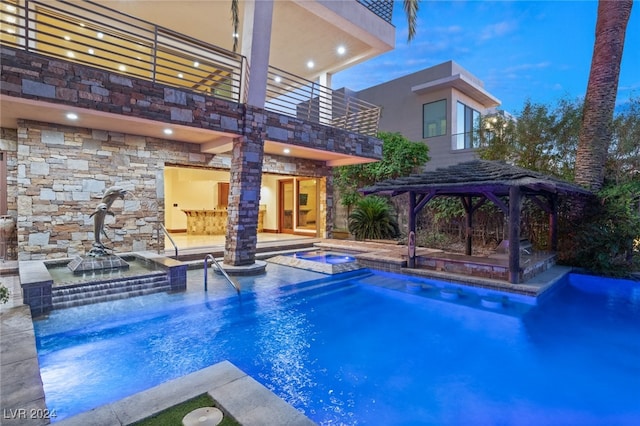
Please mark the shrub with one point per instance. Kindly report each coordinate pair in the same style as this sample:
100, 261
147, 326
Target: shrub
373, 218
4, 294
605, 240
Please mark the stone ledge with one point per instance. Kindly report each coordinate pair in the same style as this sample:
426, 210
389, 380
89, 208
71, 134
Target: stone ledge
240, 396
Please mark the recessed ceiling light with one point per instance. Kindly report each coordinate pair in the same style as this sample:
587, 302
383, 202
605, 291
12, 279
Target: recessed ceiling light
278, 79
11, 8
82, 25
235, 35
310, 64
180, 75
11, 31
341, 50
91, 51
72, 116
122, 68
99, 35
196, 64
11, 19
286, 151
168, 131
71, 54
67, 37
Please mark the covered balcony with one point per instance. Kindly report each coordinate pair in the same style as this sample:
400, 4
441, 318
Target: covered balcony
97, 37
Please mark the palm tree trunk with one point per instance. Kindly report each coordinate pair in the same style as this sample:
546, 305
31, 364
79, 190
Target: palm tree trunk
600, 100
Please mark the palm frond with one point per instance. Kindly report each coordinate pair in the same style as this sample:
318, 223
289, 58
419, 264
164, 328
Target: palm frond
411, 10
235, 20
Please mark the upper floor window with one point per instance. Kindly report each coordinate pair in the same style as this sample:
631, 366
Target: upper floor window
467, 134
434, 119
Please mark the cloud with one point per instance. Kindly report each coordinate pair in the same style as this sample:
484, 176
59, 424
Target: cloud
527, 67
497, 30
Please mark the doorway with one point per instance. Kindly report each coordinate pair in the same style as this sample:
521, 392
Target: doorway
286, 205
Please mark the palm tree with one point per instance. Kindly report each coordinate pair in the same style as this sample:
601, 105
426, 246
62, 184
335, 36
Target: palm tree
600, 100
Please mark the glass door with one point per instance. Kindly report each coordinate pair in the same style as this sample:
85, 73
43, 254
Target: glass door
307, 204
286, 205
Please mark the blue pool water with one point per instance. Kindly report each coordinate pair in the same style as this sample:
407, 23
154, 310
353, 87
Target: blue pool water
345, 351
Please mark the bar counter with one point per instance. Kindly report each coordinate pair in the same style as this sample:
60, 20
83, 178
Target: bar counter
212, 222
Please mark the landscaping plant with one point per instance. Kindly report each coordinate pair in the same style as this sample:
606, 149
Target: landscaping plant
373, 218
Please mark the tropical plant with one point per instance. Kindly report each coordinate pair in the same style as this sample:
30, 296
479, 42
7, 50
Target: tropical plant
4, 294
606, 239
373, 218
400, 157
600, 100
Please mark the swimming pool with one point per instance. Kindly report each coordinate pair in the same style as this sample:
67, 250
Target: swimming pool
345, 351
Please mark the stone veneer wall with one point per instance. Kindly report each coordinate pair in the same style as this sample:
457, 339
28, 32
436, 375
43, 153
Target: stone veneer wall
9, 144
62, 173
28, 75
59, 174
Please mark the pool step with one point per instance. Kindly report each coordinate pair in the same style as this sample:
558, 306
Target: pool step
88, 293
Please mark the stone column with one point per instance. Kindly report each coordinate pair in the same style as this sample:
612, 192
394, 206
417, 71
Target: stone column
244, 191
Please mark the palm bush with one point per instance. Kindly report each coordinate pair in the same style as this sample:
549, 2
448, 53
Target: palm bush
373, 218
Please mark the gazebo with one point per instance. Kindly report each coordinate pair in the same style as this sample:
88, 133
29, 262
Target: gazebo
475, 182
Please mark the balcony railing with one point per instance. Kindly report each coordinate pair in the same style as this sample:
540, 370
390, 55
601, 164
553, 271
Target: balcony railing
97, 36
382, 8
295, 96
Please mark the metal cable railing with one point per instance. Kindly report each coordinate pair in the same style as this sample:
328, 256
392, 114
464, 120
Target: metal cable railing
94, 35
297, 97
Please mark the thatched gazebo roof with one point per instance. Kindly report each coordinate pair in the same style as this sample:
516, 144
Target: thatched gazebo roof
475, 177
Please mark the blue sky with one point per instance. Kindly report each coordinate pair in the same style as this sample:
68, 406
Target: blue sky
537, 50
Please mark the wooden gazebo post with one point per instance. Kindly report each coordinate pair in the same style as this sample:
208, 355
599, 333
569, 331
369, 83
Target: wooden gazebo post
514, 234
553, 222
411, 261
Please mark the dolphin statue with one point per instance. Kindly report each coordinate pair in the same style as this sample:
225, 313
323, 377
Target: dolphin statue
101, 211
113, 193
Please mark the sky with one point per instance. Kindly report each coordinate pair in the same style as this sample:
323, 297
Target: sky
522, 50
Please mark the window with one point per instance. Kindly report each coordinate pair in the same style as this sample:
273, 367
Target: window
434, 119
467, 126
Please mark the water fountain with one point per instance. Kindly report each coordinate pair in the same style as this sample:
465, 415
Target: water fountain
100, 257
100, 275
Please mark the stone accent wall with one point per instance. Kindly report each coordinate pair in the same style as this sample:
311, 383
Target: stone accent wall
9, 144
59, 173
244, 196
62, 173
31, 76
